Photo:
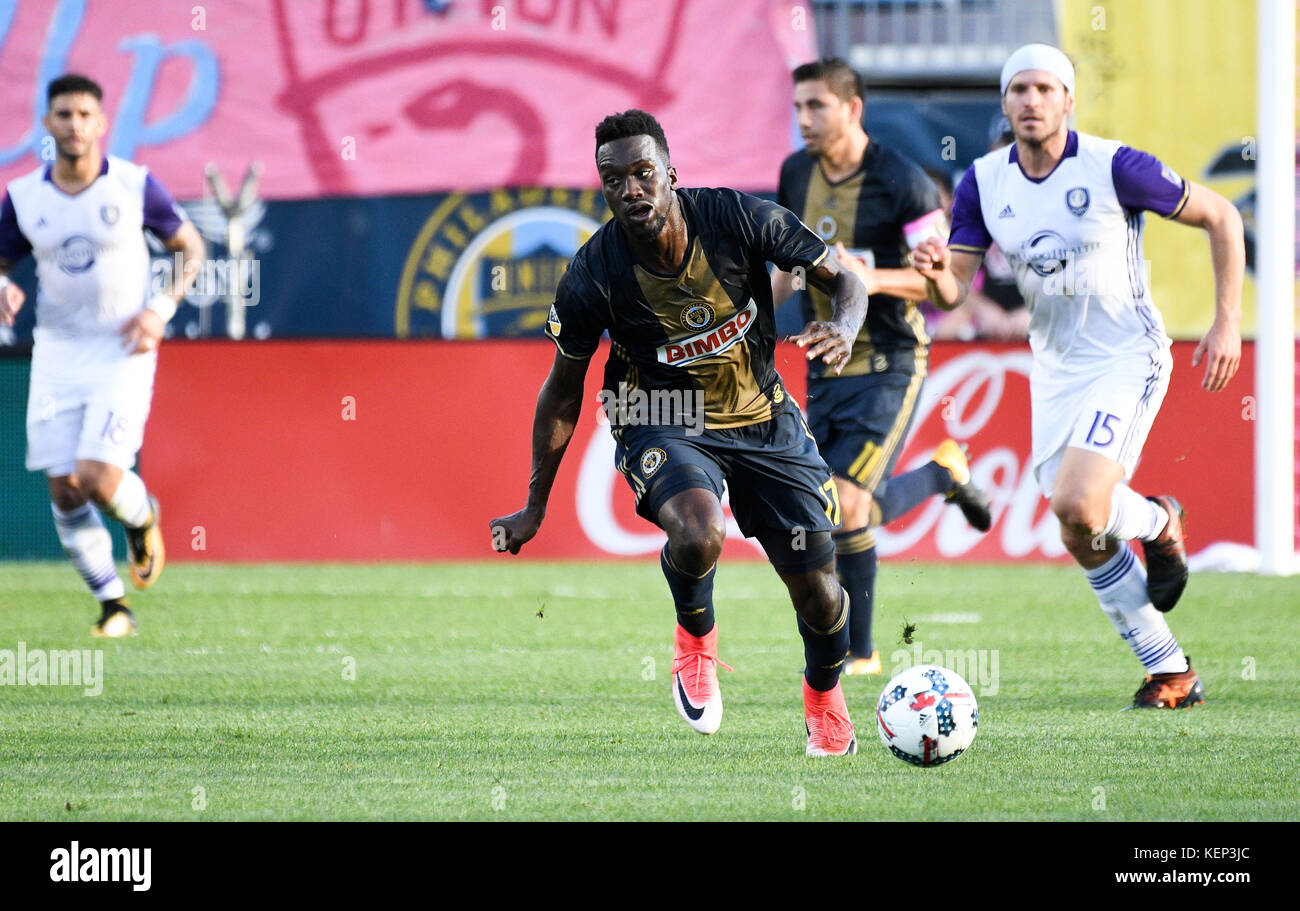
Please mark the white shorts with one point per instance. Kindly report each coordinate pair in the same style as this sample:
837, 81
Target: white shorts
1108, 411
100, 419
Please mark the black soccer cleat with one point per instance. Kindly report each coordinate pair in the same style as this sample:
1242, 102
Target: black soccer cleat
1166, 558
145, 546
974, 503
116, 621
1170, 691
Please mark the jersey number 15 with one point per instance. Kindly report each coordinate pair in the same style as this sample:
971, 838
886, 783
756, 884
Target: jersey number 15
1102, 423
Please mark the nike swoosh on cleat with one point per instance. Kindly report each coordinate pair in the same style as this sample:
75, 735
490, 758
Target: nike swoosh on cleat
691, 711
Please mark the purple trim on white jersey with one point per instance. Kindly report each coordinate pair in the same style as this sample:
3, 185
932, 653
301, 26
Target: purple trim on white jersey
1071, 149
13, 243
49, 170
159, 209
968, 230
1142, 183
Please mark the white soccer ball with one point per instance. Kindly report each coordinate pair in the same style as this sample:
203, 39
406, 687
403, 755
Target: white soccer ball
927, 715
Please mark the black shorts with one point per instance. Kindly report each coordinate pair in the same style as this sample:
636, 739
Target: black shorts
860, 422
775, 477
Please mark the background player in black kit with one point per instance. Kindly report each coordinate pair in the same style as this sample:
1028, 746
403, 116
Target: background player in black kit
863, 196
678, 278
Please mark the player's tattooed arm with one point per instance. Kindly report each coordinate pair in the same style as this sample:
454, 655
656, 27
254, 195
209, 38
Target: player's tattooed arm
558, 407
11, 296
1221, 346
833, 341
948, 273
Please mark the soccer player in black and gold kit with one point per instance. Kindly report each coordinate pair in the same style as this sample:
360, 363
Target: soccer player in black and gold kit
678, 278
874, 205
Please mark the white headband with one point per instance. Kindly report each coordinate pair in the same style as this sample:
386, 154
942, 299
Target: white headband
1039, 57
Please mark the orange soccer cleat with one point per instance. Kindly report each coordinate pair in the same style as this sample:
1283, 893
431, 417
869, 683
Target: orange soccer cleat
826, 719
1170, 691
695, 679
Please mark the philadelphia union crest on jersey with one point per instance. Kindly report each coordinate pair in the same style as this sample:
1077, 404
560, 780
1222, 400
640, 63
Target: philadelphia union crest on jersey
652, 460
698, 315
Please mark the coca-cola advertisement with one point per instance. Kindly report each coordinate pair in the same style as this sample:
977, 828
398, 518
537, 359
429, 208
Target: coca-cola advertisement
413, 447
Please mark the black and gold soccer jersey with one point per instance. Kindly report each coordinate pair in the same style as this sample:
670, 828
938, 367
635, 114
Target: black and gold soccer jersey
870, 210
709, 327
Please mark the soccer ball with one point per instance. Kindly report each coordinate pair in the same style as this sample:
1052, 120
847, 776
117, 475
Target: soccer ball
927, 715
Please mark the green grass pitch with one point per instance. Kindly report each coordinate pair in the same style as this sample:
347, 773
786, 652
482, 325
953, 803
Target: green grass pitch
519, 691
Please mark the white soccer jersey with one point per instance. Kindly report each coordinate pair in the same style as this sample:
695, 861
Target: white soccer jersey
1074, 239
92, 261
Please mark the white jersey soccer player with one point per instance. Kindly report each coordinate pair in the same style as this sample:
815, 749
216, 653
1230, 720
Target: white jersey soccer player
1067, 209
96, 338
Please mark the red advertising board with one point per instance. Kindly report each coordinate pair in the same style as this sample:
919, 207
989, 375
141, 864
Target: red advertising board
405, 450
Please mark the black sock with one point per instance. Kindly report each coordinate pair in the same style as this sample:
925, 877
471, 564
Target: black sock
823, 652
904, 492
855, 563
692, 596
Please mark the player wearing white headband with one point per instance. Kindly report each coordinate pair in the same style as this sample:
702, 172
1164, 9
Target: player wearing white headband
1067, 209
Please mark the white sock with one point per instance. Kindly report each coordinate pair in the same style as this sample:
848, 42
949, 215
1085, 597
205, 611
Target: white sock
1121, 586
130, 504
84, 537
1134, 516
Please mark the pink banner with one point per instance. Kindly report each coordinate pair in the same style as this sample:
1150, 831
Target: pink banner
369, 97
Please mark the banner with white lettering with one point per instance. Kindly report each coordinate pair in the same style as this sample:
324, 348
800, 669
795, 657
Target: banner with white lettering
370, 97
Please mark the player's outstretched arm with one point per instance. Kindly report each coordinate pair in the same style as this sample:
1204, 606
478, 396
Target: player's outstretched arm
144, 331
1221, 346
947, 272
904, 283
558, 407
833, 341
11, 296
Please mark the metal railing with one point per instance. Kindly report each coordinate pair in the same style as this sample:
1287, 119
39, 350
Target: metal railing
925, 41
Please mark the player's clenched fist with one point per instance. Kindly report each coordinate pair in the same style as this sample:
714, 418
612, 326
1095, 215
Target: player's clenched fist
11, 301
509, 533
931, 258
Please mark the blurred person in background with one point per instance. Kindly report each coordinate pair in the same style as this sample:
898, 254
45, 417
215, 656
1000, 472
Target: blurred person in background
994, 309
874, 206
98, 327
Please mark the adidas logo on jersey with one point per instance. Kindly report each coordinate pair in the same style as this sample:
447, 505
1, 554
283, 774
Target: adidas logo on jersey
1006, 213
